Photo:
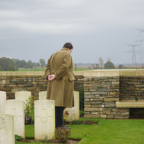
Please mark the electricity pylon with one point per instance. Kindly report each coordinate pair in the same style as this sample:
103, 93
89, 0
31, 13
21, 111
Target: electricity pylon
133, 51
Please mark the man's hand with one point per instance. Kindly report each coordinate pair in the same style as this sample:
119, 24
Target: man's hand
51, 77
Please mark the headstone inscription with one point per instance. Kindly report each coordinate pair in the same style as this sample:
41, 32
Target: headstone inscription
42, 95
7, 129
74, 111
44, 119
16, 108
2, 99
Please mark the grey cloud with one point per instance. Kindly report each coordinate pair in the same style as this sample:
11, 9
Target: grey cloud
100, 26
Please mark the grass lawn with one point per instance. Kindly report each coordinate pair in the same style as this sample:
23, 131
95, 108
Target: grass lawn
105, 132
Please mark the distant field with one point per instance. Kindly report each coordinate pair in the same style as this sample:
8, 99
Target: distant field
43, 69
77, 69
32, 69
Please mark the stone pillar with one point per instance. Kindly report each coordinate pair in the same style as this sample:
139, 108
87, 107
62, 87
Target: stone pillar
16, 108
74, 111
42, 95
2, 99
23, 96
44, 119
7, 129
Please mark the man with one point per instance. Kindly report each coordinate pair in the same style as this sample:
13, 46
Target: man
59, 72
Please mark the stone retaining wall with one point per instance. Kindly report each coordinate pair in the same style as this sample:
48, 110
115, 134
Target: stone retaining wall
35, 82
132, 88
101, 95
111, 93
107, 93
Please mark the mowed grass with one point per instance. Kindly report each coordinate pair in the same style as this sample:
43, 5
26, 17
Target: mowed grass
105, 132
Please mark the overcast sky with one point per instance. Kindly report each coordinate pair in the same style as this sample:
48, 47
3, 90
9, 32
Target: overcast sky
34, 29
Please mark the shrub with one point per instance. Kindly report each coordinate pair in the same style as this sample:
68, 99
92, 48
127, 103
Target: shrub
82, 122
62, 134
29, 111
77, 122
17, 138
88, 122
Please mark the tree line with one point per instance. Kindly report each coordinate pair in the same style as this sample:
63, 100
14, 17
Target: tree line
108, 64
7, 64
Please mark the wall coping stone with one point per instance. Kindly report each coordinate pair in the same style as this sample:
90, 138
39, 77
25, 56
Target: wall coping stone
88, 73
114, 72
31, 73
136, 104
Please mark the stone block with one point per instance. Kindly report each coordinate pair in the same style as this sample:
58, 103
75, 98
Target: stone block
100, 93
107, 109
110, 116
114, 93
96, 103
139, 86
121, 109
86, 99
88, 93
111, 99
44, 119
92, 116
103, 116
121, 116
2, 100
16, 108
115, 83
90, 96
7, 129
92, 109
74, 111
130, 104
42, 95
94, 106
94, 113
23, 96
86, 113
110, 104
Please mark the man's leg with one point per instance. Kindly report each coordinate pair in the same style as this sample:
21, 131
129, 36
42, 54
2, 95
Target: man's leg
59, 116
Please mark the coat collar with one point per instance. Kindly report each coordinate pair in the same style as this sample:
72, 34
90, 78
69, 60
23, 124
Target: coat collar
65, 49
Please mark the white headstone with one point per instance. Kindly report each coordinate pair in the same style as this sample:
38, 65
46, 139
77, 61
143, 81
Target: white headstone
16, 108
42, 95
2, 99
23, 96
44, 119
74, 111
7, 129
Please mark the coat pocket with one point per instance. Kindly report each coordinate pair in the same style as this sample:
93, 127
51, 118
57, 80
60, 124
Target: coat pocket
71, 78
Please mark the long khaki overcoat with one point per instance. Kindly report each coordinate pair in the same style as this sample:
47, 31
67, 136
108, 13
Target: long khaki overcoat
61, 88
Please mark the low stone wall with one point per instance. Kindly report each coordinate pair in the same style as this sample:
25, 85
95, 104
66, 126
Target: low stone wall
107, 93
132, 88
35, 82
101, 95
110, 94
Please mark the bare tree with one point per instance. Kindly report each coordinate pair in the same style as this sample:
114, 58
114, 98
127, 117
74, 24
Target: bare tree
100, 61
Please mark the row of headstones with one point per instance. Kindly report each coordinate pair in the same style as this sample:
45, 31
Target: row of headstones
12, 116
